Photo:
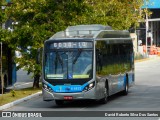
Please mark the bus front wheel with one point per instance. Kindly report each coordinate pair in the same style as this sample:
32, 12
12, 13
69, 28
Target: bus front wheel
105, 99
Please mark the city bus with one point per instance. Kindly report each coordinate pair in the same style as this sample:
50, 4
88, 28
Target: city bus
8, 67
87, 62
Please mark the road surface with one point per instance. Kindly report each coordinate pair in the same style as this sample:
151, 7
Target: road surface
144, 96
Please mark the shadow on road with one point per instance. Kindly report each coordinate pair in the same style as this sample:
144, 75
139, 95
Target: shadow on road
87, 103
140, 97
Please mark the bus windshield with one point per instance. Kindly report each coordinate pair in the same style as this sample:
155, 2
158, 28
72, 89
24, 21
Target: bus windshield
68, 64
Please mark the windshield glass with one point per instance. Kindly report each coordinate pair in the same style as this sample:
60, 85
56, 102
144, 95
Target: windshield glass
72, 64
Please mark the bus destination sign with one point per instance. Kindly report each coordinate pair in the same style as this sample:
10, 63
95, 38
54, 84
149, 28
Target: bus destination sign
62, 45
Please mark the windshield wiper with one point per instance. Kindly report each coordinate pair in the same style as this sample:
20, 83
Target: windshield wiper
77, 56
59, 59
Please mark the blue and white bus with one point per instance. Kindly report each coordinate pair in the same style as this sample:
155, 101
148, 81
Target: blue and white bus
87, 62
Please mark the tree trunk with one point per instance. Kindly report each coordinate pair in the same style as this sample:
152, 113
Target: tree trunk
36, 81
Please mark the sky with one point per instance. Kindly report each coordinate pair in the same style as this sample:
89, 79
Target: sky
151, 4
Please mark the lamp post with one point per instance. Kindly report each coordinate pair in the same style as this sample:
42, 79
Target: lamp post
146, 27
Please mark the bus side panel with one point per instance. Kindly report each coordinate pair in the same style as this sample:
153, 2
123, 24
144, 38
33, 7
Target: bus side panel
114, 60
131, 78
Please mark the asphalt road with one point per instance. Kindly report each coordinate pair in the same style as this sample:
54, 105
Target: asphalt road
23, 79
22, 76
144, 96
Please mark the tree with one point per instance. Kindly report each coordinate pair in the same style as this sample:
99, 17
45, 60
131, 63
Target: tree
37, 21
40, 19
120, 14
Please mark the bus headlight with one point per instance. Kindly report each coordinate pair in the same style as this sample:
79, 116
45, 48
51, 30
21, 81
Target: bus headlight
47, 88
89, 87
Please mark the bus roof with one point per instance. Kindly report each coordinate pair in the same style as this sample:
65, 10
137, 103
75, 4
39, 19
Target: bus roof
96, 31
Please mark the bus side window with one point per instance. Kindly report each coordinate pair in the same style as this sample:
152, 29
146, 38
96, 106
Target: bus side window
98, 61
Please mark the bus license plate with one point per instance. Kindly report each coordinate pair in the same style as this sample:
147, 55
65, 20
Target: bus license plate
68, 98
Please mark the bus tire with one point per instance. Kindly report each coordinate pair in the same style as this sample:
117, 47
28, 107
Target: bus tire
125, 91
59, 102
105, 99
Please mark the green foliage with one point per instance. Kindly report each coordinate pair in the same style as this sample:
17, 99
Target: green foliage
37, 21
40, 19
120, 14
13, 93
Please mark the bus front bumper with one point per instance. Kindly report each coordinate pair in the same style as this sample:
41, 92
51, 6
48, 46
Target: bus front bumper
48, 96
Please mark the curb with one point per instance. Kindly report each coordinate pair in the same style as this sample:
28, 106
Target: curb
142, 60
8, 105
146, 59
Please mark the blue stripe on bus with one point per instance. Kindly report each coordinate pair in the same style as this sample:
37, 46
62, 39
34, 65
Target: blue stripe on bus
125, 80
67, 88
120, 82
130, 78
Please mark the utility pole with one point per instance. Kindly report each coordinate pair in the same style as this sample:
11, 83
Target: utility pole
1, 55
2, 84
146, 31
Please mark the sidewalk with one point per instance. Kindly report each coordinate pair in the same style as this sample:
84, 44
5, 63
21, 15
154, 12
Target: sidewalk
23, 80
150, 57
20, 85
153, 56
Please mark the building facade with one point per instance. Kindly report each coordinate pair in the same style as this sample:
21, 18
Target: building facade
149, 31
